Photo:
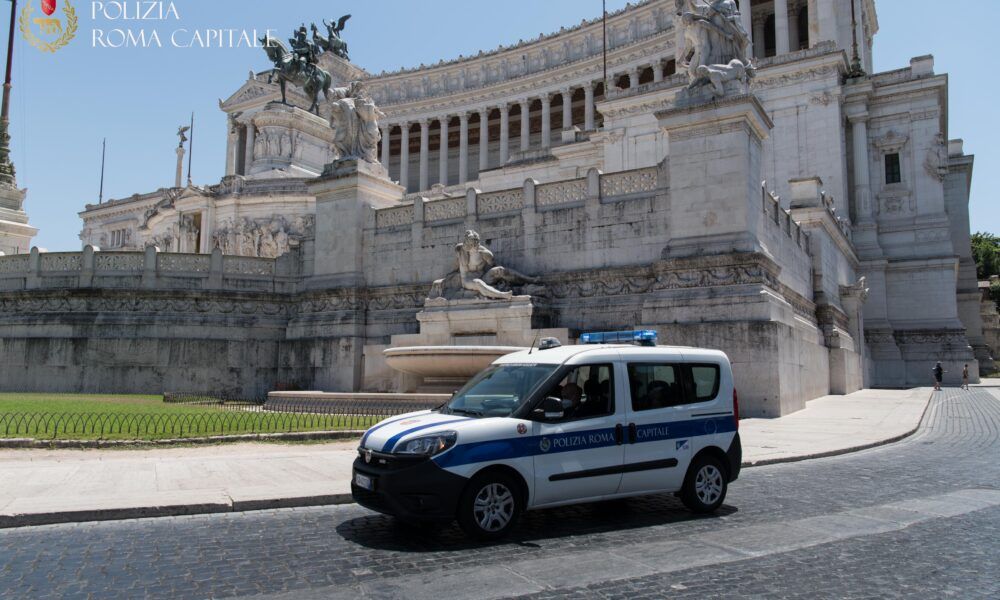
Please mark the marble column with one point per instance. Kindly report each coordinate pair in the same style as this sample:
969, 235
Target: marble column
425, 144
546, 120
404, 155
793, 29
759, 51
504, 133
525, 124
443, 160
781, 26
484, 139
232, 140
862, 175
588, 102
248, 155
463, 147
746, 18
658, 71
386, 129
633, 78
567, 116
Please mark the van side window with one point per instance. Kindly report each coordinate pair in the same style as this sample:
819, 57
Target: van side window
655, 385
706, 382
587, 392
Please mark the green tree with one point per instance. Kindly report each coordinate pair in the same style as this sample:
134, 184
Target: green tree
986, 252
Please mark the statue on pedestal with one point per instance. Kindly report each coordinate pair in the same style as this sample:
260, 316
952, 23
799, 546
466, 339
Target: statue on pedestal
478, 276
334, 43
714, 49
354, 119
298, 66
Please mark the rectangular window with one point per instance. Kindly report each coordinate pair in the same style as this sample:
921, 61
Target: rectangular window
893, 174
706, 382
655, 386
587, 392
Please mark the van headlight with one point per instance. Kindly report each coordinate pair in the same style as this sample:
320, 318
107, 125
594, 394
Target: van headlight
428, 445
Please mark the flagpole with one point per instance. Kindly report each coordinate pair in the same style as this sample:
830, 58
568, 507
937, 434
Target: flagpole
6, 165
104, 149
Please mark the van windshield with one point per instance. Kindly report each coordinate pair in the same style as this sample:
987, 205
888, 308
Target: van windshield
498, 391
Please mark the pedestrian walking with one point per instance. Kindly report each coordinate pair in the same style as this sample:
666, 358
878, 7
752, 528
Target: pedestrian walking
965, 377
938, 376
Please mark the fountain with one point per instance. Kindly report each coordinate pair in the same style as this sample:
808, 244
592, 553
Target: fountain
473, 316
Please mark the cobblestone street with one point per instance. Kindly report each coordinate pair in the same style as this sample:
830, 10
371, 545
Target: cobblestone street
919, 518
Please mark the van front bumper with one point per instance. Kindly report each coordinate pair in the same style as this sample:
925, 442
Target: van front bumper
412, 488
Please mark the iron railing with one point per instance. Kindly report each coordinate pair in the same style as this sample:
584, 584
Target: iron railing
185, 416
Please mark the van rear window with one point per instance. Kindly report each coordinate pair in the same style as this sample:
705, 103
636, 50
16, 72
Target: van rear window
706, 382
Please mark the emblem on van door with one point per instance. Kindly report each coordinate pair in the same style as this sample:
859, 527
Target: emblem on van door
544, 445
522, 428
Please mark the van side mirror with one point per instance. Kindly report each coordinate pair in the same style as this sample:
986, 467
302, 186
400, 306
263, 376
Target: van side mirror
553, 408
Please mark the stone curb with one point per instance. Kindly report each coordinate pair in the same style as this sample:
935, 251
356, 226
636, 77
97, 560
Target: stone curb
7, 522
849, 450
171, 510
305, 436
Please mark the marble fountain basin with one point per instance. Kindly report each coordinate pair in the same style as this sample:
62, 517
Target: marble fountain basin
445, 362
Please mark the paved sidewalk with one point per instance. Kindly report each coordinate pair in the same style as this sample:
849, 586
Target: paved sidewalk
52, 486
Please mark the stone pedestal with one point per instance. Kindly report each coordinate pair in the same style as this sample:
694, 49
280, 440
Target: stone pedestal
715, 174
457, 339
345, 194
15, 233
290, 140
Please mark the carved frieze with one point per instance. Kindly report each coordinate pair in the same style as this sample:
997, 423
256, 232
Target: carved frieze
441, 210
119, 261
394, 217
561, 193
501, 202
628, 182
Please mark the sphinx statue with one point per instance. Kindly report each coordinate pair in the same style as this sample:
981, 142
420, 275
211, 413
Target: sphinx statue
478, 275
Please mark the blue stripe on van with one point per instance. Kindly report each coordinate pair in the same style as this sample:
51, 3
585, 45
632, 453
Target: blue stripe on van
519, 447
391, 442
364, 438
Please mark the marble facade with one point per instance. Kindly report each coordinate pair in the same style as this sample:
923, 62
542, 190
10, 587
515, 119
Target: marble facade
635, 204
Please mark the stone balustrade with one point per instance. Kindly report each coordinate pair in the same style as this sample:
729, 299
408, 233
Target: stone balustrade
613, 187
151, 269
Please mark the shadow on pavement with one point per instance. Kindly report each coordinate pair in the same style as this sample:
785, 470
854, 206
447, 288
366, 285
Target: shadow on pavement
386, 533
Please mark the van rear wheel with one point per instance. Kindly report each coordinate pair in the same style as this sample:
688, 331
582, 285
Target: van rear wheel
705, 485
490, 506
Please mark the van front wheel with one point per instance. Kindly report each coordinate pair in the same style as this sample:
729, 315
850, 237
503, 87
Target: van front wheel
490, 506
705, 485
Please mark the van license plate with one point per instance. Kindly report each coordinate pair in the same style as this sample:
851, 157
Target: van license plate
364, 482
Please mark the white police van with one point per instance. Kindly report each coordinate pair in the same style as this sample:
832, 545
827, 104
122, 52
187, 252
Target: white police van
560, 425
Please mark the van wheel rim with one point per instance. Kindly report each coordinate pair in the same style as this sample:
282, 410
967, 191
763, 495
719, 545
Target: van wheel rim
708, 484
494, 507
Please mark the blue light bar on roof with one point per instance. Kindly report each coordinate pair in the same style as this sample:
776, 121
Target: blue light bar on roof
646, 337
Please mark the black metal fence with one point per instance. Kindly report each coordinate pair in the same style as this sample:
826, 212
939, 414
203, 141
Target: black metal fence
197, 416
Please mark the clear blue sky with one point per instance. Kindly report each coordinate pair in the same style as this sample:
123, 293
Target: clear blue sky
65, 103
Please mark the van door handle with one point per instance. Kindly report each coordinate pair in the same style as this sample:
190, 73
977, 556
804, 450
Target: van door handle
619, 434
632, 434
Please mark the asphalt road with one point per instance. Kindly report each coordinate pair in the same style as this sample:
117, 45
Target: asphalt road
920, 518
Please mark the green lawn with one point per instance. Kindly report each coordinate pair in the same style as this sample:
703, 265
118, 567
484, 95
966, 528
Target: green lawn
137, 417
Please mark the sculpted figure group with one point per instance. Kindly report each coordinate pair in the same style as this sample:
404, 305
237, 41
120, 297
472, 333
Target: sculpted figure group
479, 276
353, 114
714, 49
